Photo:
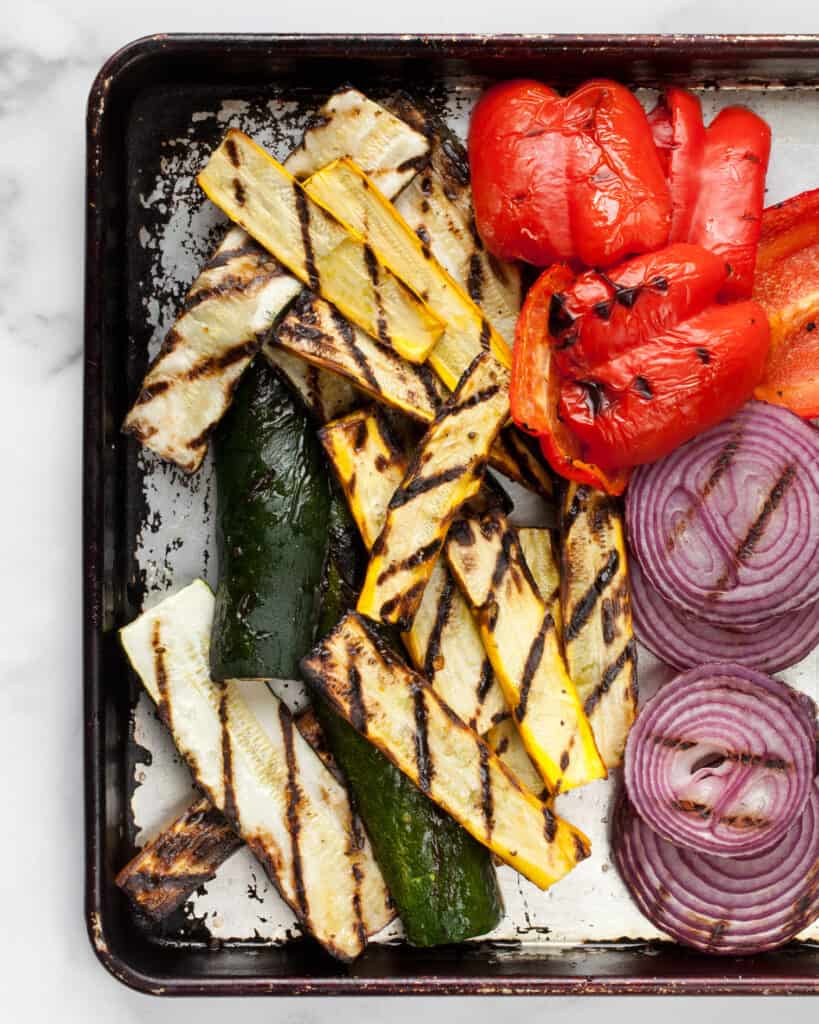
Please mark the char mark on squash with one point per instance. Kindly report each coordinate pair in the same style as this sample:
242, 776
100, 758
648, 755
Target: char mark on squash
532, 664
419, 557
230, 808
232, 151
294, 801
213, 365
423, 484
424, 765
239, 192
357, 709
585, 606
303, 211
486, 680
626, 656
347, 335
469, 403
474, 281
442, 613
486, 334
487, 798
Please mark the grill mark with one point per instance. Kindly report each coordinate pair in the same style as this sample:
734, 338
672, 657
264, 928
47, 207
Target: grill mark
358, 711
314, 396
213, 364
474, 281
581, 849
577, 505
360, 435
486, 334
608, 621
419, 557
461, 533
221, 259
692, 807
549, 824
303, 211
294, 799
149, 393
721, 464
230, 808
643, 388
432, 658
348, 337
406, 602
564, 760
201, 439
229, 286
627, 654
703, 355
560, 319
239, 192
427, 379
487, 799
371, 263
164, 703
357, 845
424, 766
533, 660
469, 403
486, 680
232, 151
585, 606
423, 484
777, 493
502, 559
388, 434
716, 934
414, 163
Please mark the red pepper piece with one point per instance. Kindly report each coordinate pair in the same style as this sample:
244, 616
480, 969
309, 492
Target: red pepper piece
603, 314
535, 389
787, 287
727, 216
574, 180
679, 135
647, 401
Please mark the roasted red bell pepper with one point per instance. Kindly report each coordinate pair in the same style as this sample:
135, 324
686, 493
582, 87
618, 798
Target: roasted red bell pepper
673, 364
575, 179
727, 215
787, 287
535, 390
679, 135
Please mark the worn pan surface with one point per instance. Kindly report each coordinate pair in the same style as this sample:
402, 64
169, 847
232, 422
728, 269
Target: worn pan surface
155, 111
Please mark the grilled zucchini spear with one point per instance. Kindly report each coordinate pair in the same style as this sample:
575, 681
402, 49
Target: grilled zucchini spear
258, 193
597, 636
445, 472
348, 194
402, 715
442, 641
523, 645
265, 779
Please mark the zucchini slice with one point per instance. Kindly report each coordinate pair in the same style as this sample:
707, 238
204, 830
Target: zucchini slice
523, 645
437, 205
324, 395
388, 149
348, 194
182, 857
258, 193
505, 741
252, 764
443, 641
597, 635
191, 382
401, 714
315, 331
445, 472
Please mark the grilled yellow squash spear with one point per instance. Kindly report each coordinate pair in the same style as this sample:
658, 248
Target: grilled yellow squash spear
445, 472
597, 634
523, 645
258, 193
443, 640
402, 715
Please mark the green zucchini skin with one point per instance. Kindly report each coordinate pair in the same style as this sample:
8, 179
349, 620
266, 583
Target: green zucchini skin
273, 511
442, 880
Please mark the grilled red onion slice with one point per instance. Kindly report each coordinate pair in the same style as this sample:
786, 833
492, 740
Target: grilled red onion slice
731, 906
726, 527
684, 640
722, 760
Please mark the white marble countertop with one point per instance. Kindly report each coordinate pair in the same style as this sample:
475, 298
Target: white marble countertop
49, 53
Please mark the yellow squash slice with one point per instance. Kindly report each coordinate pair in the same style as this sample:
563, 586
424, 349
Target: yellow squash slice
254, 766
524, 647
538, 549
258, 193
402, 715
597, 634
505, 740
325, 395
348, 194
443, 640
445, 472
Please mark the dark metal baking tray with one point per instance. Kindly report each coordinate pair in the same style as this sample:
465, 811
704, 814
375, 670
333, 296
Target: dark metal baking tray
144, 96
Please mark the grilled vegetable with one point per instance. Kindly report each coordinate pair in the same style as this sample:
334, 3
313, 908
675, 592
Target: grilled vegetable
442, 641
191, 382
538, 551
272, 521
316, 332
518, 457
445, 472
348, 194
265, 779
256, 191
183, 856
440, 879
188, 852
597, 636
403, 716
437, 205
505, 741
522, 642
384, 146
324, 395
